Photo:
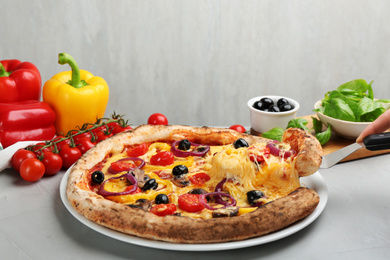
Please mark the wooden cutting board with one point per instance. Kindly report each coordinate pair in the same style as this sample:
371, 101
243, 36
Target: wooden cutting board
336, 142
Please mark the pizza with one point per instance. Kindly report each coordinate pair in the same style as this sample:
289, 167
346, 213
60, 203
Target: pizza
186, 184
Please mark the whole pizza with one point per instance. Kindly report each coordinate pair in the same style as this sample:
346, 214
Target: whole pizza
186, 184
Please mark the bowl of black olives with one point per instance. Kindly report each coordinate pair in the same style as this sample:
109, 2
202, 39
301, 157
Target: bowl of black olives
267, 112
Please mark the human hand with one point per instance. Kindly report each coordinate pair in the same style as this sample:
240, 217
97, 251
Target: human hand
380, 125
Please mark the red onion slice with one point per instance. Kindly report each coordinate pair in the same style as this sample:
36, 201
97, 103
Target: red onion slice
129, 176
179, 153
203, 200
112, 171
278, 152
218, 188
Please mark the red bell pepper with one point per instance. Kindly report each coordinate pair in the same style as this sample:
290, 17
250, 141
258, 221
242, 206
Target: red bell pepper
19, 81
26, 121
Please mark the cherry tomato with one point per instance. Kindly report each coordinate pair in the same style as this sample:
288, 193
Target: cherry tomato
32, 169
36, 148
119, 129
19, 156
52, 163
162, 158
60, 144
102, 135
199, 178
163, 209
138, 150
87, 135
190, 202
238, 128
84, 144
157, 119
69, 155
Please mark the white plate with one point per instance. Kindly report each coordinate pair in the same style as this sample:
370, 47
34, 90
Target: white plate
315, 182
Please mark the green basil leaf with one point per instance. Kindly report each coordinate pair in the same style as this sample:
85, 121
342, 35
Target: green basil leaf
275, 133
370, 91
325, 136
369, 110
317, 125
354, 86
298, 123
338, 108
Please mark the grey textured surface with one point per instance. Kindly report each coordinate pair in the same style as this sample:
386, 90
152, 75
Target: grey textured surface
198, 62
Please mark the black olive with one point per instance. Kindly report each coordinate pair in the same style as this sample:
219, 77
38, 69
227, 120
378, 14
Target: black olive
281, 102
161, 199
197, 191
240, 143
286, 107
184, 145
259, 105
273, 109
97, 177
142, 204
253, 196
267, 102
150, 184
179, 170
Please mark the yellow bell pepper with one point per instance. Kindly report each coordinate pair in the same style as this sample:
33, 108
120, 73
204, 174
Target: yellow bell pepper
77, 96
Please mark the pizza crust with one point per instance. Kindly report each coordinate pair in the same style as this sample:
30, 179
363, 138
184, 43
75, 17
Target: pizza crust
266, 219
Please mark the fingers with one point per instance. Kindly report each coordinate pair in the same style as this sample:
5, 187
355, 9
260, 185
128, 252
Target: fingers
380, 125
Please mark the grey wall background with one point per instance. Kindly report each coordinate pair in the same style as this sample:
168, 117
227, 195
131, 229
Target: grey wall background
198, 62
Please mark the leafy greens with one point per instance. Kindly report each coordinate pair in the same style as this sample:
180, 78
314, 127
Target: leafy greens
353, 101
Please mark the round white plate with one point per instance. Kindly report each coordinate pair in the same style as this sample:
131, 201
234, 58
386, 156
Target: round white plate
315, 182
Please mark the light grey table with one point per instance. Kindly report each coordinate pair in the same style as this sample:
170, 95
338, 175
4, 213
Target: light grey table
34, 223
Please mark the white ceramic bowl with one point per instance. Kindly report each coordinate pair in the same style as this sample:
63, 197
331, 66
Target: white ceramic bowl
346, 129
263, 121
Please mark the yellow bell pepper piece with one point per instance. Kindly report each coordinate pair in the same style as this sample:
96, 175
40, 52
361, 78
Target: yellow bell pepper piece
77, 96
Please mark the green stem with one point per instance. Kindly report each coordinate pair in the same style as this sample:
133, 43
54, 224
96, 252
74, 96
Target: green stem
3, 72
76, 82
54, 143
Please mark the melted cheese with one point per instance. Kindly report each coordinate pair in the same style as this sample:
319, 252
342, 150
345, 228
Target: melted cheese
275, 177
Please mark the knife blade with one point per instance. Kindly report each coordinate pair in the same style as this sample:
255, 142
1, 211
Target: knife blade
374, 142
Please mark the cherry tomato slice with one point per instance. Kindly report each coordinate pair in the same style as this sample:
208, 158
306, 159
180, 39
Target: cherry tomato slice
157, 119
163, 209
32, 169
238, 128
52, 163
162, 158
190, 203
19, 156
138, 150
138, 190
120, 166
199, 178
260, 158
